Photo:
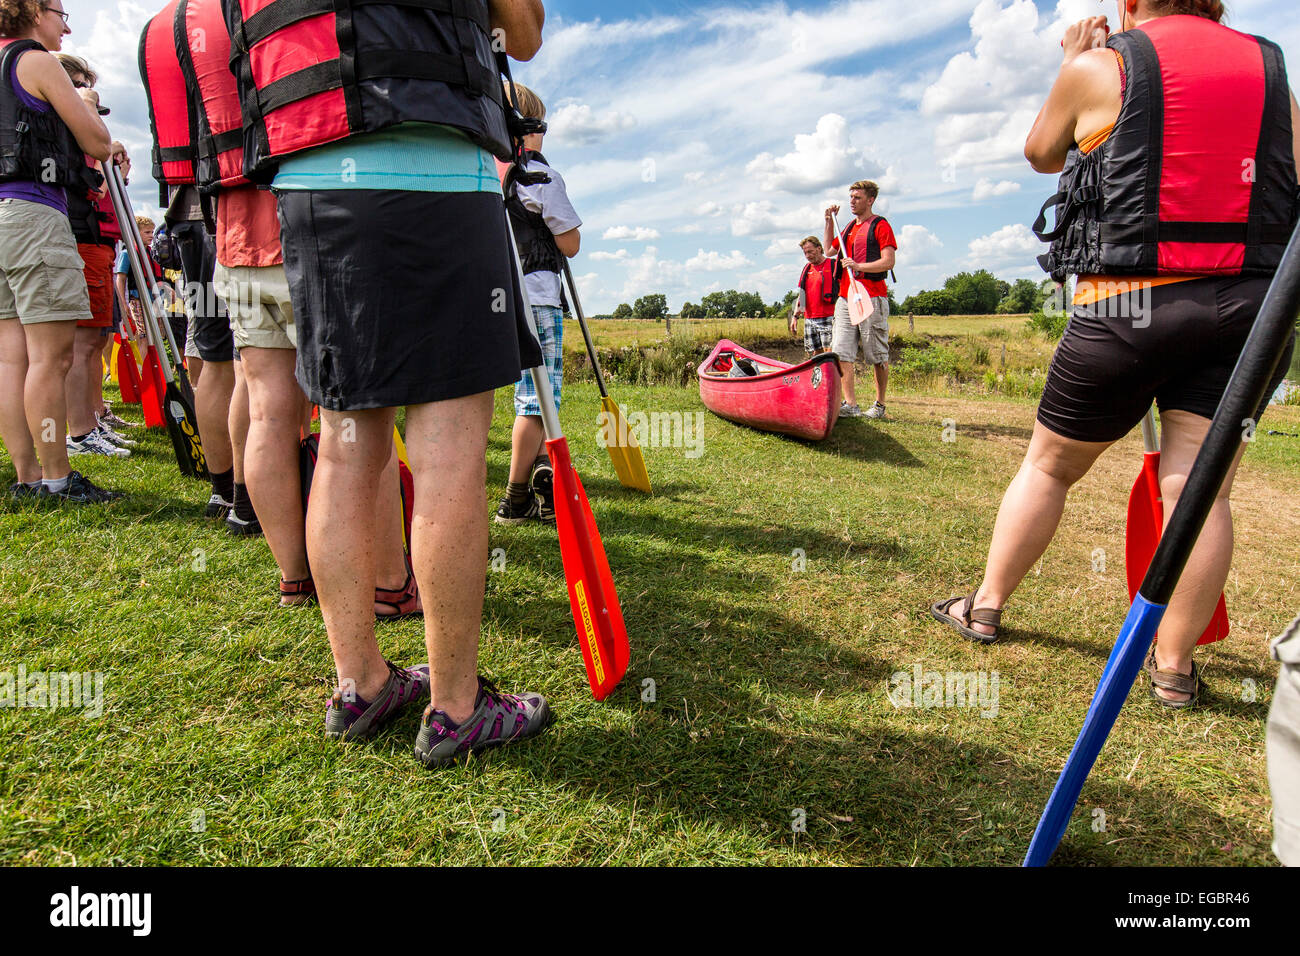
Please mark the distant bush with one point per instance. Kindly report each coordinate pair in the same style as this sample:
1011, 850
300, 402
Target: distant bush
1051, 324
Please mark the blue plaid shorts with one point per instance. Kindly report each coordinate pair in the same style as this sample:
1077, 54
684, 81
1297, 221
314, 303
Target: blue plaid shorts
550, 330
816, 334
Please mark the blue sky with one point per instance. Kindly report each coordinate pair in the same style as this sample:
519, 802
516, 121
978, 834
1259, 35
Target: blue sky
700, 141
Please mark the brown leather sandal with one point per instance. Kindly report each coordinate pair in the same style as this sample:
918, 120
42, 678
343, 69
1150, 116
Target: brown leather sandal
1172, 680
989, 616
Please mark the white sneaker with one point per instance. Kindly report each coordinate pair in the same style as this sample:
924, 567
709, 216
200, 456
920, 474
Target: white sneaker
96, 444
849, 411
876, 411
121, 441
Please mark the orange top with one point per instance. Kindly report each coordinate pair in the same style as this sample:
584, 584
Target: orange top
1090, 288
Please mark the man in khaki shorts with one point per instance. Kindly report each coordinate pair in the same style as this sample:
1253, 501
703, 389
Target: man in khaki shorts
867, 250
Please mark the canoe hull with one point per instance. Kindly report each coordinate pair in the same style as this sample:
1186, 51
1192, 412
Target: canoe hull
801, 400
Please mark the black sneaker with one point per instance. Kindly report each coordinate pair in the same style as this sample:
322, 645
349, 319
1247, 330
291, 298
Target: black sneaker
218, 507
509, 513
542, 481
81, 490
21, 492
237, 525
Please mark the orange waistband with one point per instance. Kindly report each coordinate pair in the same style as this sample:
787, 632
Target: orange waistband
1090, 289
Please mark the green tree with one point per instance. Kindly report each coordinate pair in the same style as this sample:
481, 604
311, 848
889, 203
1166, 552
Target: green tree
720, 305
692, 311
750, 303
1024, 297
651, 307
931, 302
624, 311
976, 293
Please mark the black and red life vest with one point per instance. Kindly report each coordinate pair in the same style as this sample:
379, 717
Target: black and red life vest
866, 248
830, 287
205, 63
35, 145
91, 216
312, 72
537, 249
171, 110
1198, 176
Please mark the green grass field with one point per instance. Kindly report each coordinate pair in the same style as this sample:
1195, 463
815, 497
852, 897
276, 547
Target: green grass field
771, 590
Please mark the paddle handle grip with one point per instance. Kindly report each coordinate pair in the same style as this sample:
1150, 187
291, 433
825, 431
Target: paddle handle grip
1233, 423
582, 324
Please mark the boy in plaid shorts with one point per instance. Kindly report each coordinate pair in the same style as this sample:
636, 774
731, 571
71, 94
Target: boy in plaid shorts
817, 293
546, 228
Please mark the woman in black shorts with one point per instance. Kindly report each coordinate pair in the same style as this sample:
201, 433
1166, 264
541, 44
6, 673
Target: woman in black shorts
1173, 261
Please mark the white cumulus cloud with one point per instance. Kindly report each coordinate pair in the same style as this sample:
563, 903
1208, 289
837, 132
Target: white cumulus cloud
618, 256
714, 261
577, 124
821, 159
636, 234
1013, 245
988, 189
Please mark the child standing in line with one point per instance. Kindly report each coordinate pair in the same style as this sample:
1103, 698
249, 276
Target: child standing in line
546, 228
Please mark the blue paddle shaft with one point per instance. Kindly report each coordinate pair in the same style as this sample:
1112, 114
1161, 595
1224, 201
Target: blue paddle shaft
1116, 680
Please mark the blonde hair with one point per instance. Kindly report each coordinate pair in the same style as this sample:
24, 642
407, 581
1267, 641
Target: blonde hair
868, 187
75, 66
813, 239
530, 104
144, 222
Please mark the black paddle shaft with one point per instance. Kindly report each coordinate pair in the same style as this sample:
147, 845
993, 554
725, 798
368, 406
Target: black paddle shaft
582, 324
1233, 421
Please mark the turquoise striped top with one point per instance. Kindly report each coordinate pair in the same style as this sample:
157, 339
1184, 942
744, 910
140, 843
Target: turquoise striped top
418, 157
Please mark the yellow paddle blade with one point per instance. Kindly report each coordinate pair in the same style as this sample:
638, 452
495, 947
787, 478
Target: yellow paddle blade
110, 364
624, 452
401, 447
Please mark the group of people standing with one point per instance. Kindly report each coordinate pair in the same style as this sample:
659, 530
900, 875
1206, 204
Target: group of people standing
865, 252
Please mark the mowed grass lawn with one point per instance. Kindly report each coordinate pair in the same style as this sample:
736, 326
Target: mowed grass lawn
770, 706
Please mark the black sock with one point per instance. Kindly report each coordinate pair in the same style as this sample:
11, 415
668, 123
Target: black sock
518, 492
223, 484
79, 438
243, 504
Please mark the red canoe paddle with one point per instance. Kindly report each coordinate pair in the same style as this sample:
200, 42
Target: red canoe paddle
1146, 518
596, 612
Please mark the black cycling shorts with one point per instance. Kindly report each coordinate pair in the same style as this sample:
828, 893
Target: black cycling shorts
402, 297
1173, 344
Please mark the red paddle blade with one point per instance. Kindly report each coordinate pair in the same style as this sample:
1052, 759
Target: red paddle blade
1146, 518
596, 612
152, 389
128, 373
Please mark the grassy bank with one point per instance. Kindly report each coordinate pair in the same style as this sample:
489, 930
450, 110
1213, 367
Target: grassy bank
772, 591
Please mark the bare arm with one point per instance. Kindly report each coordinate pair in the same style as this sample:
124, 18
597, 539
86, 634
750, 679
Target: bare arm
828, 238
1084, 99
41, 74
521, 22
568, 243
883, 264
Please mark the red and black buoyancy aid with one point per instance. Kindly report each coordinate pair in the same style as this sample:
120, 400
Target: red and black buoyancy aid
1198, 176
866, 248
91, 216
312, 72
171, 111
830, 286
205, 62
537, 249
37, 145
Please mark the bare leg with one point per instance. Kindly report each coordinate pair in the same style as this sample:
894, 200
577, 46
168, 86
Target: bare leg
212, 407
1031, 510
1201, 583
447, 442
237, 423
354, 445
95, 384
193, 366
882, 380
13, 418
847, 380
275, 405
390, 548
79, 385
528, 438
49, 356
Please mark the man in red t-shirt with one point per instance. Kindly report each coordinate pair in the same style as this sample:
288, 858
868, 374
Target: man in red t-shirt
817, 293
868, 253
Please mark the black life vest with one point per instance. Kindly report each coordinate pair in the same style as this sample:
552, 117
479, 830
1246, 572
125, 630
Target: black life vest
92, 219
312, 72
35, 146
1217, 143
171, 111
205, 62
537, 249
866, 248
830, 287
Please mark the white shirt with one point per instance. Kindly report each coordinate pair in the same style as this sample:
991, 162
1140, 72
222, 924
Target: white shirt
552, 201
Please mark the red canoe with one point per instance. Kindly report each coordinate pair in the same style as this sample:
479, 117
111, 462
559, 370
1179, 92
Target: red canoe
800, 400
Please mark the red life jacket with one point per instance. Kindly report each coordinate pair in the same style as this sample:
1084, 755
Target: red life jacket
204, 58
1198, 176
866, 248
312, 72
171, 114
829, 285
